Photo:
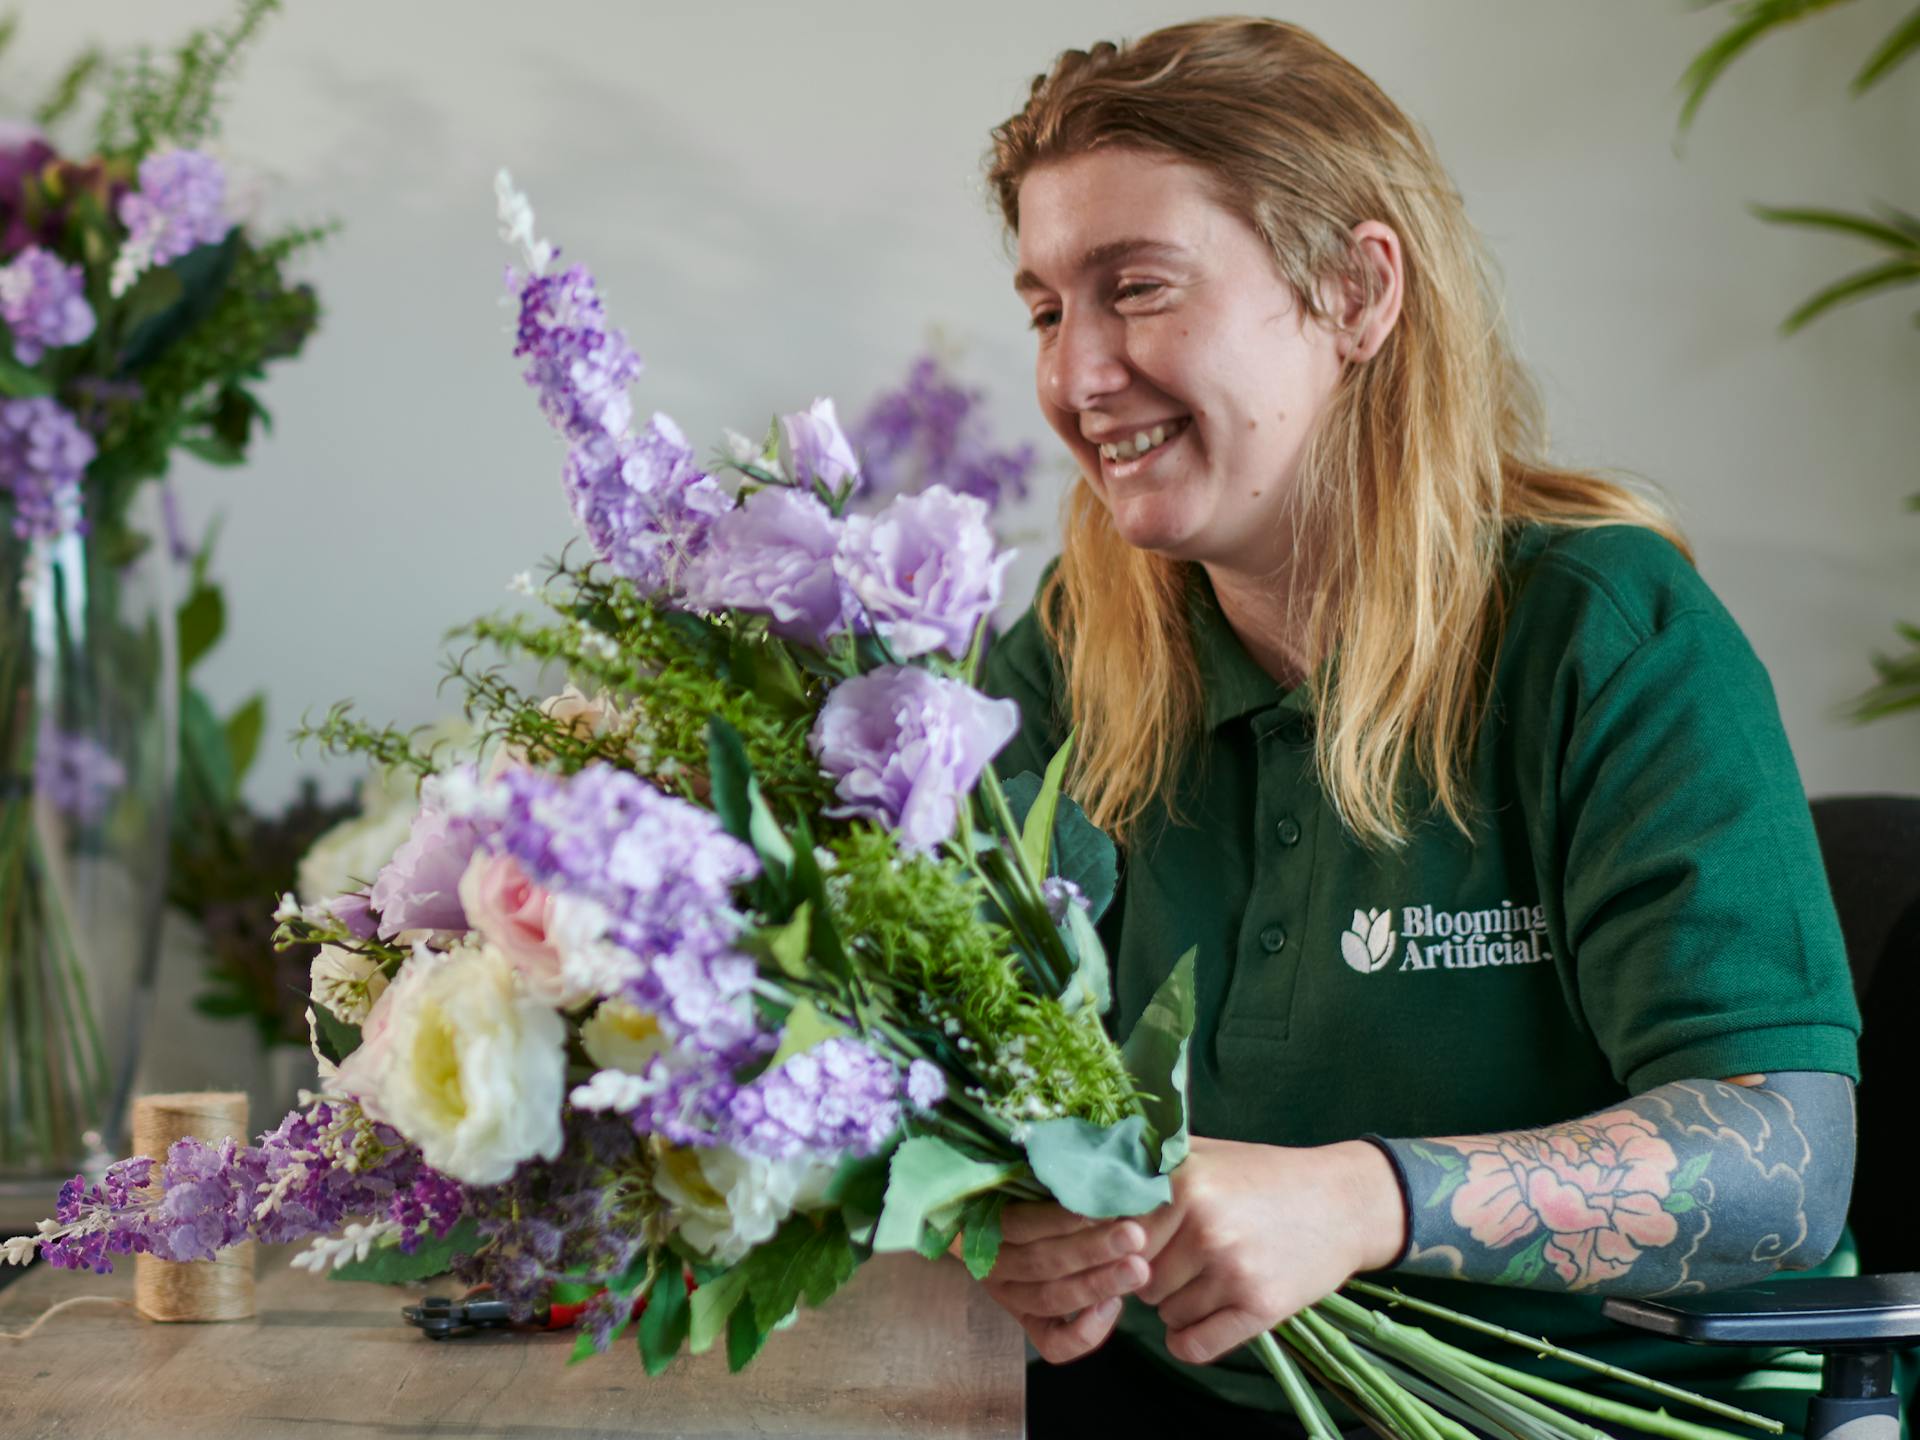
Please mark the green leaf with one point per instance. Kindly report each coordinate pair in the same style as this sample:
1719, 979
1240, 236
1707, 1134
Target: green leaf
712, 1303
214, 450
1691, 1172
337, 1038
859, 1186
1904, 40
928, 1175
19, 382
785, 945
936, 1236
663, 1326
1679, 1203
243, 729
1525, 1267
200, 619
1092, 982
1157, 1055
805, 1027
1755, 19
746, 1337
200, 277
1036, 832
392, 1266
739, 804
980, 1223
823, 936
221, 1005
1082, 851
1852, 287
1095, 1171
807, 1259
1845, 222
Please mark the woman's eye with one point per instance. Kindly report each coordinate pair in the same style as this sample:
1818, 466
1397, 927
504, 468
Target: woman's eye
1137, 289
1044, 320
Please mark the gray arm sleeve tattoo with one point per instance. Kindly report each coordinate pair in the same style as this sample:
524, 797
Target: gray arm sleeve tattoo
1696, 1185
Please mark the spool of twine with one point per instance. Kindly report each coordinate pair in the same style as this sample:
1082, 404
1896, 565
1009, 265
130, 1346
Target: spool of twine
216, 1289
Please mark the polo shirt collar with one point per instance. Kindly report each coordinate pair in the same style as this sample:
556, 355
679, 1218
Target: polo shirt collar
1233, 683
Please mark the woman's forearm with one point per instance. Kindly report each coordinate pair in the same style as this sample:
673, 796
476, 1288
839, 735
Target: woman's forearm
1695, 1185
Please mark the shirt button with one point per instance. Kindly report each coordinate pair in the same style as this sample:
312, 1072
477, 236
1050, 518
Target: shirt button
1273, 939
1289, 830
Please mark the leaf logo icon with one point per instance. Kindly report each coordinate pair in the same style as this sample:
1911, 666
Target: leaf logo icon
1368, 945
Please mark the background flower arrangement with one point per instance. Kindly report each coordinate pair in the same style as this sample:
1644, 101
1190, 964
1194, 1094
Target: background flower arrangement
137, 307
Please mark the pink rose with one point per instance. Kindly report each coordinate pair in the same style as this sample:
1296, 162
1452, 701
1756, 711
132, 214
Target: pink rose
1596, 1187
516, 916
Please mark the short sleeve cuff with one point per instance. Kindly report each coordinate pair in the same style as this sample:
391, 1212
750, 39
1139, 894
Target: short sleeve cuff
1834, 1049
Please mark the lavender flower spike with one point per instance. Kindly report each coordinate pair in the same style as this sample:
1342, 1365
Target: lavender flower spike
44, 302
905, 747
926, 570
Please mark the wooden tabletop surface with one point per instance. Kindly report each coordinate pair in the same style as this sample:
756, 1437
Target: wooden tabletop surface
908, 1348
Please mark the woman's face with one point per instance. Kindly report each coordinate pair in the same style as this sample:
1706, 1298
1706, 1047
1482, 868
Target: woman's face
1160, 312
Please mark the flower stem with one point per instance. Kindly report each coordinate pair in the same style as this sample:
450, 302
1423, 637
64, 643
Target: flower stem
1299, 1394
1546, 1349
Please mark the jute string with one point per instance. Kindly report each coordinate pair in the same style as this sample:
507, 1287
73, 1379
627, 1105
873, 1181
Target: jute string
216, 1289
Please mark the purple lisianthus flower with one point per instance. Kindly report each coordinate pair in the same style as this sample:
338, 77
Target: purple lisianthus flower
44, 302
180, 205
926, 570
419, 888
43, 455
355, 911
773, 555
905, 747
644, 504
815, 447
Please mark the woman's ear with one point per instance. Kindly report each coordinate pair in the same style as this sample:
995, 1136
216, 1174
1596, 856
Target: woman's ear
1364, 322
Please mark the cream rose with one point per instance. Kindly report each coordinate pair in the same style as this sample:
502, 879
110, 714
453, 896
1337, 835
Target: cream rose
348, 984
725, 1203
464, 1062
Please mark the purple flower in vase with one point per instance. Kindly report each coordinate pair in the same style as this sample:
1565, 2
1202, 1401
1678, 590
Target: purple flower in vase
44, 303
931, 431
24, 153
78, 776
43, 456
926, 570
180, 205
905, 747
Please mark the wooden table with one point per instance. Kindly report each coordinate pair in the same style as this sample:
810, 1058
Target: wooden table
908, 1348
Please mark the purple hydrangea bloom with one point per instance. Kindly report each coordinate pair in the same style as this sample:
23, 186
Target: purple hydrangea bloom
78, 775
926, 1084
44, 303
774, 556
181, 205
644, 504
931, 432
643, 884
43, 455
419, 888
816, 449
580, 366
926, 570
905, 747
839, 1096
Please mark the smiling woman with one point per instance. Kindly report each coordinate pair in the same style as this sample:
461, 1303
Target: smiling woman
1472, 797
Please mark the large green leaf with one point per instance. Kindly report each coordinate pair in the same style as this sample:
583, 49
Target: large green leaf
1036, 830
1092, 983
201, 618
712, 1303
1097, 1171
393, 1266
807, 1259
743, 809
201, 276
927, 1176
1082, 852
207, 782
1157, 1054
805, 1027
663, 1328
337, 1038
243, 729
980, 1223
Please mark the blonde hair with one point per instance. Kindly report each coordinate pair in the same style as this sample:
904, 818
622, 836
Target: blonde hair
1426, 455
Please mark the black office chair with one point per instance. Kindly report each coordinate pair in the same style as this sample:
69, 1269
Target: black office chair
1859, 1324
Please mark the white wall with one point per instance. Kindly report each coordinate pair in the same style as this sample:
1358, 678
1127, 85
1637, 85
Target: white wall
780, 199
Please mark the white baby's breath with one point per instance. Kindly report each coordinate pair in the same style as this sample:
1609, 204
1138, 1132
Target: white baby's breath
356, 1242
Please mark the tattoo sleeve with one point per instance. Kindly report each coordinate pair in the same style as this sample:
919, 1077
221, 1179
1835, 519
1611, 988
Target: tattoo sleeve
1696, 1185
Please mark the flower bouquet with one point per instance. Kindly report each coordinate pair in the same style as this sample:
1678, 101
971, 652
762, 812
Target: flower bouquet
136, 310
735, 963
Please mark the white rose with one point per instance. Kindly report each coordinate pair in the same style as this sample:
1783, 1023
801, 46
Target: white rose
464, 1063
725, 1203
620, 1036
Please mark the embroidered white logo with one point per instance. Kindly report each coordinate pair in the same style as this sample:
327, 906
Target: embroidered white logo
1508, 934
1369, 944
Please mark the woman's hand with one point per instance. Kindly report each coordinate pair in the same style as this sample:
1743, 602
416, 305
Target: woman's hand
1061, 1276
1256, 1233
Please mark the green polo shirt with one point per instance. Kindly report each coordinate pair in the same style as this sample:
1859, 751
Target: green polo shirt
1642, 900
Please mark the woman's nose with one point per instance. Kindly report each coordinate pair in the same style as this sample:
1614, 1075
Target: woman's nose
1085, 364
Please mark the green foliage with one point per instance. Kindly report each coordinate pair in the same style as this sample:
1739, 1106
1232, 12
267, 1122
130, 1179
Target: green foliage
1080, 850
389, 1265
388, 748
927, 1183
663, 1328
1752, 21
1097, 1170
1157, 1055
148, 101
